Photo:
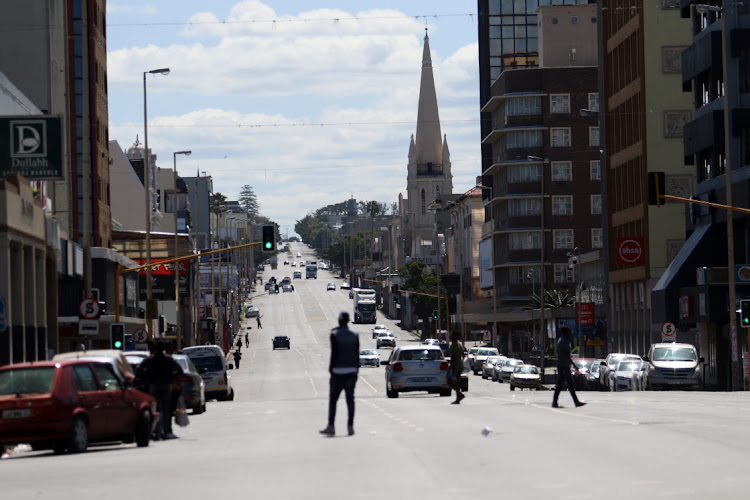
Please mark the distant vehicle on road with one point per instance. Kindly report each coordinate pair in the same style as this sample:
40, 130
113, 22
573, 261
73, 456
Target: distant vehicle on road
525, 377
369, 357
281, 342
377, 329
193, 388
311, 270
331, 286
481, 356
287, 288
297, 275
252, 311
385, 339
215, 377
672, 365
627, 375
509, 366
364, 305
345, 286
489, 366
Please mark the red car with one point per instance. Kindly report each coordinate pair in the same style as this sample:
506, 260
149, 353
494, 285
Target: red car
64, 405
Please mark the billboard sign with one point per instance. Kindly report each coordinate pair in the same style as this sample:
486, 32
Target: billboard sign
31, 146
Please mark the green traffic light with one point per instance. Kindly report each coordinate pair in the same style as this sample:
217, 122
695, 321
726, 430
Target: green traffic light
118, 344
268, 245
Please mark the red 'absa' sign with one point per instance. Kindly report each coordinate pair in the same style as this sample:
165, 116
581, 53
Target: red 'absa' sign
630, 251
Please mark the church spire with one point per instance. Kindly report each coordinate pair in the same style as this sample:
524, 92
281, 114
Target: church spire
429, 145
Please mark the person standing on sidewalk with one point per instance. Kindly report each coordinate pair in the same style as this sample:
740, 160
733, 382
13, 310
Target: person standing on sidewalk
158, 372
564, 363
344, 367
457, 367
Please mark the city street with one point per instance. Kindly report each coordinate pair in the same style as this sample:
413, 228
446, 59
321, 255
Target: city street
265, 443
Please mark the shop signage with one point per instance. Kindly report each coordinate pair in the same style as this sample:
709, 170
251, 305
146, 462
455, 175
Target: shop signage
630, 251
31, 146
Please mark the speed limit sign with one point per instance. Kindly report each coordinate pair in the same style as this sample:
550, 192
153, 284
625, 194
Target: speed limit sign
140, 336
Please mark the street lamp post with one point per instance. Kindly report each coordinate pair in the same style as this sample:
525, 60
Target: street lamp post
542, 274
574, 262
530, 275
147, 189
178, 333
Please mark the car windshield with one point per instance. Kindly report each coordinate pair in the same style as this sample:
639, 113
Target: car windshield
492, 360
473, 350
674, 354
513, 362
366, 307
614, 359
384, 334
367, 352
583, 363
210, 363
526, 369
36, 380
595, 368
487, 352
629, 366
420, 354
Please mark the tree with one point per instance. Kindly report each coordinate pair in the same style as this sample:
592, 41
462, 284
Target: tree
416, 280
372, 208
249, 202
219, 199
554, 299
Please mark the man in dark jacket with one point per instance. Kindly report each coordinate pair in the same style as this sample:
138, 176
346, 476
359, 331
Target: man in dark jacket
344, 366
158, 372
564, 364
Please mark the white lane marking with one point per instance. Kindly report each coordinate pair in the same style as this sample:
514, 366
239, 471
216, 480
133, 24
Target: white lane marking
368, 383
555, 410
315, 391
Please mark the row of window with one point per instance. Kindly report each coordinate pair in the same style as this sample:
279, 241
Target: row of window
559, 137
562, 171
562, 239
561, 205
524, 275
558, 104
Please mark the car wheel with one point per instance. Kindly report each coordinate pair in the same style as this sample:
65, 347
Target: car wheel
512, 387
391, 394
143, 429
484, 376
78, 437
231, 395
198, 409
203, 407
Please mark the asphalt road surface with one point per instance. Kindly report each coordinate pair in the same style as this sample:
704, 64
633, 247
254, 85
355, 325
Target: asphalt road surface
495, 444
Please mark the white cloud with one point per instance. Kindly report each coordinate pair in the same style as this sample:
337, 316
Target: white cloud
359, 79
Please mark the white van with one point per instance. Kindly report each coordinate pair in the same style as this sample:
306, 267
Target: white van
212, 365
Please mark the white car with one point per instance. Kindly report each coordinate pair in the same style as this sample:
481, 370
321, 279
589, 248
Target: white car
497, 369
627, 375
509, 366
489, 366
387, 339
369, 357
416, 367
526, 377
481, 357
377, 329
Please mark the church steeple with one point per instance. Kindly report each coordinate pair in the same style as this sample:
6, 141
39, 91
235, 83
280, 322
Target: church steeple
429, 145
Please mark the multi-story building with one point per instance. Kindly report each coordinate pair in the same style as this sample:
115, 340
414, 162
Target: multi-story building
545, 202
642, 114
692, 292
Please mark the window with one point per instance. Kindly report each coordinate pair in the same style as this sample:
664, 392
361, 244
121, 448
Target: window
573, 19
424, 206
596, 204
107, 378
517, 106
523, 173
523, 139
593, 102
562, 205
596, 237
524, 207
437, 189
563, 274
560, 137
563, 238
526, 240
83, 379
596, 170
559, 103
522, 275
562, 171
594, 136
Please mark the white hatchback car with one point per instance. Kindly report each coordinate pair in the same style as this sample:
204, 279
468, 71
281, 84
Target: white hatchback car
377, 329
416, 368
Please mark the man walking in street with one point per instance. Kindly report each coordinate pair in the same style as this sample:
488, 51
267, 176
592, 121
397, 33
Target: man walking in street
564, 363
257, 319
457, 367
237, 357
158, 372
247, 340
343, 367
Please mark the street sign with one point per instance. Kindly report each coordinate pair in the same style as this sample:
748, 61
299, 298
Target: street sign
140, 336
3, 317
486, 336
88, 327
668, 332
88, 309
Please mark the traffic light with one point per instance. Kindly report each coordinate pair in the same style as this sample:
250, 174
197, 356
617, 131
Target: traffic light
276, 289
656, 182
269, 239
745, 313
395, 299
117, 335
434, 314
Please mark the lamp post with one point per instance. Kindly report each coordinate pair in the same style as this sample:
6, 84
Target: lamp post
147, 189
177, 332
574, 262
494, 278
542, 274
530, 275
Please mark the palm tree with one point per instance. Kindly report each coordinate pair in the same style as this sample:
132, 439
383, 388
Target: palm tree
553, 299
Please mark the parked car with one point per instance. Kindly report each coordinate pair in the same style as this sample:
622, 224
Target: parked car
281, 341
580, 378
672, 365
416, 368
627, 375
525, 377
369, 357
497, 369
345, 286
193, 388
609, 364
431, 341
470, 356
385, 339
216, 379
120, 363
331, 286
377, 329
481, 356
489, 366
509, 366
64, 405
253, 311
592, 377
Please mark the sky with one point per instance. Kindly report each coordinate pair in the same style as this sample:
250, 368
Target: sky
309, 102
